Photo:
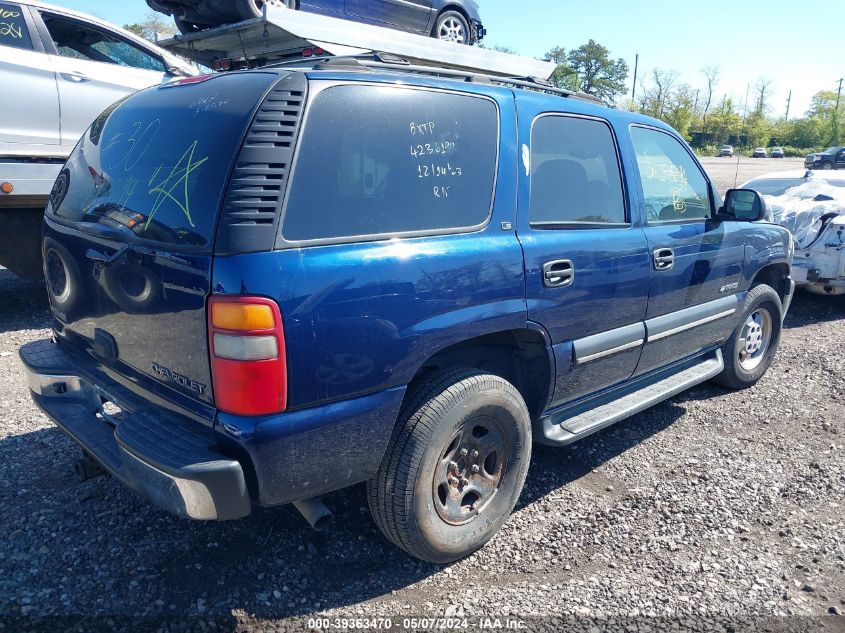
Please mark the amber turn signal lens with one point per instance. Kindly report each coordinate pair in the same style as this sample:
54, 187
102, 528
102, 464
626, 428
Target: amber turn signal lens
6, 187
241, 317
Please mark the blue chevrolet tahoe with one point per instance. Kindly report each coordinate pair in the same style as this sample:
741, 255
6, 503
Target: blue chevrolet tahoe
274, 284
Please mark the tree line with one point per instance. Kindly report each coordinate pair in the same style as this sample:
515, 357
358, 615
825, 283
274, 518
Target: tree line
699, 112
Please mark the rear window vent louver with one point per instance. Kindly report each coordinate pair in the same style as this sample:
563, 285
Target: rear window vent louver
250, 215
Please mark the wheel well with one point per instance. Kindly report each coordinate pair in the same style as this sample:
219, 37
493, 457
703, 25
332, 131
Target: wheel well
773, 275
519, 356
454, 7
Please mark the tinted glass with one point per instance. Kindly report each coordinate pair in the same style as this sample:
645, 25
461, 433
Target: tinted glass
673, 186
388, 160
78, 41
13, 31
155, 166
574, 173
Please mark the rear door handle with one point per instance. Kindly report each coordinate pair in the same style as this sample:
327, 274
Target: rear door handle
664, 259
558, 273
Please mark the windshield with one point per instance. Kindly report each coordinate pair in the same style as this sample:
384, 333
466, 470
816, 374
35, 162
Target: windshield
831, 150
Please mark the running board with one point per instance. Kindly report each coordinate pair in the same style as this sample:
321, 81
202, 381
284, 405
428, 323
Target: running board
570, 429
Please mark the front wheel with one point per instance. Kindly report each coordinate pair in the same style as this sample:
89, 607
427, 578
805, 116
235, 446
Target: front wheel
451, 26
827, 166
455, 465
749, 351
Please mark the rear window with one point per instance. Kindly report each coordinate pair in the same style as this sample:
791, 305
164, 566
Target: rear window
155, 166
384, 160
13, 30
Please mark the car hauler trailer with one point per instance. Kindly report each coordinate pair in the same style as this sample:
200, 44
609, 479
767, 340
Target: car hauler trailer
283, 34
25, 184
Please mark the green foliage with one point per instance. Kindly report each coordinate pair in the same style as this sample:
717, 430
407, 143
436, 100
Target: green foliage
153, 27
563, 76
597, 73
589, 68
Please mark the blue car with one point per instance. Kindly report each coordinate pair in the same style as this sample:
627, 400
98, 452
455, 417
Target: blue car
450, 20
329, 274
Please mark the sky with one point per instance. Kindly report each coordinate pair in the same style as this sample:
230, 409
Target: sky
789, 42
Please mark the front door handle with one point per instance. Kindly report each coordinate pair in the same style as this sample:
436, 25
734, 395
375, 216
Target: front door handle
558, 273
664, 259
76, 77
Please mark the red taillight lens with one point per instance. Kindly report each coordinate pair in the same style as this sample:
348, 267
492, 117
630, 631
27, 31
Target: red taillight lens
247, 346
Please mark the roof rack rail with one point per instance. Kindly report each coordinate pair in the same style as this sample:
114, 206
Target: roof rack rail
282, 34
392, 62
528, 83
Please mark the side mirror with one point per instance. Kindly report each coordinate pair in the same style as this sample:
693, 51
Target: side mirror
745, 205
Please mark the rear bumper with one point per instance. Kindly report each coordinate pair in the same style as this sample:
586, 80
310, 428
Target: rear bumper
170, 460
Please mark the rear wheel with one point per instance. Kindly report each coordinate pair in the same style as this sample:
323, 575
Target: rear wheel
451, 26
750, 350
454, 467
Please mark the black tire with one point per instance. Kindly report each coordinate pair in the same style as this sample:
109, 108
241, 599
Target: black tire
249, 9
445, 416
64, 281
185, 27
452, 26
134, 289
827, 166
743, 368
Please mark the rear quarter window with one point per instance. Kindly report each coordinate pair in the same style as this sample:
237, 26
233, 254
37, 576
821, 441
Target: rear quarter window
384, 161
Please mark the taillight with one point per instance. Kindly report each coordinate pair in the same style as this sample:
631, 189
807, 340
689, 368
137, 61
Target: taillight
247, 345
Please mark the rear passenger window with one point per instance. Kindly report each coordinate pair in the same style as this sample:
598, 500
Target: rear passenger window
377, 161
575, 175
674, 188
13, 31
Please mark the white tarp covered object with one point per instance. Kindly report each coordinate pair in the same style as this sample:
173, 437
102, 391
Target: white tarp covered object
801, 208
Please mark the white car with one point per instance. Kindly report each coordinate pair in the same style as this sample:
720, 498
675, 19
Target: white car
59, 69
812, 206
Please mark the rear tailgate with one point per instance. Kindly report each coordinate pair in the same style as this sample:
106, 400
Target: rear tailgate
130, 230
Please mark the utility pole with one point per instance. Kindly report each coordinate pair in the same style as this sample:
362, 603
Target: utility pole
788, 103
745, 106
835, 130
636, 68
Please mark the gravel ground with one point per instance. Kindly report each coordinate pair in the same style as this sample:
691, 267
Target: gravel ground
724, 508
